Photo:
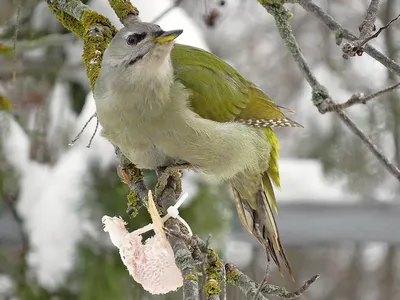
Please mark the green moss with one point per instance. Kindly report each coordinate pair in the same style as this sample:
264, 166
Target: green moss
123, 9
132, 201
212, 287
319, 95
5, 103
5, 50
214, 272
192, 277
95, 44
90, 18
233, 277
68, 21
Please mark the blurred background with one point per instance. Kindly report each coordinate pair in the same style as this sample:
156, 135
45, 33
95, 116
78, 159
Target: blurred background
339, 208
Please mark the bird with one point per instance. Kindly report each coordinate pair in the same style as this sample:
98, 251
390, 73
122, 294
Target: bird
164, 104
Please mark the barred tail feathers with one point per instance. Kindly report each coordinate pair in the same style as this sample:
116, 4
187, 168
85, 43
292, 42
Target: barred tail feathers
260, 220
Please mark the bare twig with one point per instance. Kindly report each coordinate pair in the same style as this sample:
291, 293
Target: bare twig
376, 34
342, 32
284, 294
366, 27
265, 279
93, 135
320, 95
83, 129
357, 47
359, 98
249, 287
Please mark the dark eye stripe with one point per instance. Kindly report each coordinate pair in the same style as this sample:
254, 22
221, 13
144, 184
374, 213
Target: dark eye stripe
135, 38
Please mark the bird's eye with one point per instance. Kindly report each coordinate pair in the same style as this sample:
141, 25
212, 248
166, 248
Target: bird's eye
135, 38
222, 2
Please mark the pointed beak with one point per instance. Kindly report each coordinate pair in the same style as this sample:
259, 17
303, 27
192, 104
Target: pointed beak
163, 37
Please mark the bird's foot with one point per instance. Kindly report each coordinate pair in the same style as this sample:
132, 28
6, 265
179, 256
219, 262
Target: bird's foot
174, 172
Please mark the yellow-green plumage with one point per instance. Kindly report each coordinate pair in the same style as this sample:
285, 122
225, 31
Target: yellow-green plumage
219, 93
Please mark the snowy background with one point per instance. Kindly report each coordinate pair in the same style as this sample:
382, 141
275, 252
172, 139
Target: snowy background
53, 195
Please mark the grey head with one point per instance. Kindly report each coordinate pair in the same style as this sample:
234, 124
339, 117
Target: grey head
139, 45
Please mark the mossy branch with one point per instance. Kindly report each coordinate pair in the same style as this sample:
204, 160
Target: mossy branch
125, 11
95, 30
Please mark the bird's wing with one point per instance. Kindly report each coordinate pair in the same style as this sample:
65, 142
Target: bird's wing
218, 92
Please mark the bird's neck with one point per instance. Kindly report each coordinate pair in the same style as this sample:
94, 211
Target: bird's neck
150, 88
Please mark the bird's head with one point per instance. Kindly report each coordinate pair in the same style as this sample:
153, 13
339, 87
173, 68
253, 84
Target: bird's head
141, 45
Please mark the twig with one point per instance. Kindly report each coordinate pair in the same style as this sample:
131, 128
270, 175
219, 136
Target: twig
357, 47
83, 129
360, 99
366, 27
249, 287
320, 95
265, 279
284, 294
94, 133
342, 32
376, 34
165, 12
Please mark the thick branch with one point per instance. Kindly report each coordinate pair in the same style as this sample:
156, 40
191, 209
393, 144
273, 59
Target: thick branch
342, 32
320, 95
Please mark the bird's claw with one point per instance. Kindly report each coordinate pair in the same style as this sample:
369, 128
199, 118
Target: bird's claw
174, 171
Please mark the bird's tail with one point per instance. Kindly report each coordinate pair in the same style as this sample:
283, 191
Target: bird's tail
255, 213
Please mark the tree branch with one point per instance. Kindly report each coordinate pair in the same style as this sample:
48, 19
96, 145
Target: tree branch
368, 24
320, 95
359, 98
342, 32
366, 28
125, 11
249, 287
375, 35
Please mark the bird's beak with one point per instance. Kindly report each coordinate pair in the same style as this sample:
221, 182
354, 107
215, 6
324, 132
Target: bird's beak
167, 36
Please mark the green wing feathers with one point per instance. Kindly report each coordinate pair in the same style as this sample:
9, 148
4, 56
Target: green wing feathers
224, 95
220, 96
